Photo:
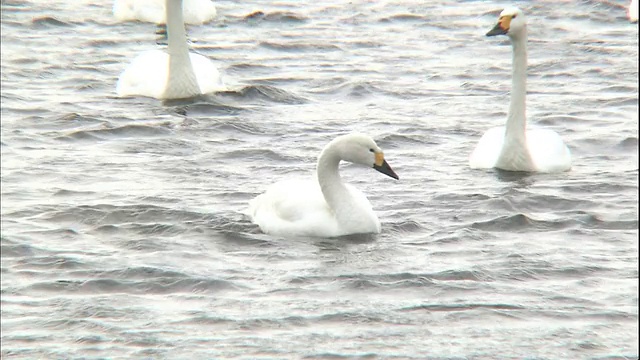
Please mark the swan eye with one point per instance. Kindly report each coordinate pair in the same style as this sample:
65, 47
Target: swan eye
514, 16
371, 150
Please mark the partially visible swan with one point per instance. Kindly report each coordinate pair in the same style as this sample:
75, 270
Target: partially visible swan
196, 12
514, 147
632, 13
175, 74
325, 206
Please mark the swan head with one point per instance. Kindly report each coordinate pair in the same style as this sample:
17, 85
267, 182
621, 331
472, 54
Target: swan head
511, 23
361, 149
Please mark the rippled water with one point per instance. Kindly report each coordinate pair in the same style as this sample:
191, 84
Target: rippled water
122, 226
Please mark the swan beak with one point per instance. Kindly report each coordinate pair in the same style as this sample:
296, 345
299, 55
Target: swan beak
382, 166
502, 27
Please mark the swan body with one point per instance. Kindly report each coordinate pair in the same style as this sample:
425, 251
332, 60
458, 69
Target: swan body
196, 12
175, 74
513, 147
324, 206
632, 13
551, 154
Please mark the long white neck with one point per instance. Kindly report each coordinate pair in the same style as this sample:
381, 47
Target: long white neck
182, 81
334, 190
515, 152
517, 120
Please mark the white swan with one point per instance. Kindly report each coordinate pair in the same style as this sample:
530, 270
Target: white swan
323, 207
514, 147
175, 74
196, 12
632, 13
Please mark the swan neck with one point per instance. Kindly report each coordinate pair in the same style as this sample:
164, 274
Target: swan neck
516, 120
175, 29
182, 81
334, 190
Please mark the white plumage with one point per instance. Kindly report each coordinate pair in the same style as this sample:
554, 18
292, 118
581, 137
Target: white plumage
514, 147
174, 74
632, 13
325, 206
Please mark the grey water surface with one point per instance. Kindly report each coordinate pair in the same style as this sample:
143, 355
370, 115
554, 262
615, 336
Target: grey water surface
123, 234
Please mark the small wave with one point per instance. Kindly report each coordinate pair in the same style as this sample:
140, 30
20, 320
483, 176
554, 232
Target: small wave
404, 18
163, 285
265, 92
522, 268
404, 140
141, 229
408, 226
233, 126
205, 105
545, 203
599, 187
47, 21
259, 155
334, 356
462, 307
130, 273
135, 131
454, 236
53, 262
246, 67
126, 213
450, 197
68, 121
620, 89
350, 318
396, 281
555, 120
461, 275
69, 193
16, 250
521, 222
596, 221
142, 245
353, 89
629, 144
586, 314
299, 47
208, 320
277, 16
622, 101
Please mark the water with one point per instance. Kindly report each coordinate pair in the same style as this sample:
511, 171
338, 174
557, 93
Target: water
122, 226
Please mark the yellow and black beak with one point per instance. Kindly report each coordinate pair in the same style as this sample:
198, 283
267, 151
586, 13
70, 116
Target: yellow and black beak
382, 166
502, 27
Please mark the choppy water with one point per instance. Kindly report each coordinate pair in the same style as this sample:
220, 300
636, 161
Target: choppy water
122, 232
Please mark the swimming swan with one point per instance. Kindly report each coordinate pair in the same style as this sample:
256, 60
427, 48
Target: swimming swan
323, 207
196, 12
514, 147
175, 74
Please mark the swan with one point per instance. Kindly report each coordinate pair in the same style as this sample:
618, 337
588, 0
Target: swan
196, 12
632, 13
175, 74
514, 147
325, 206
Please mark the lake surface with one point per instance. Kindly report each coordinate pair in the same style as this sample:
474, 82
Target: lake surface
123, 233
